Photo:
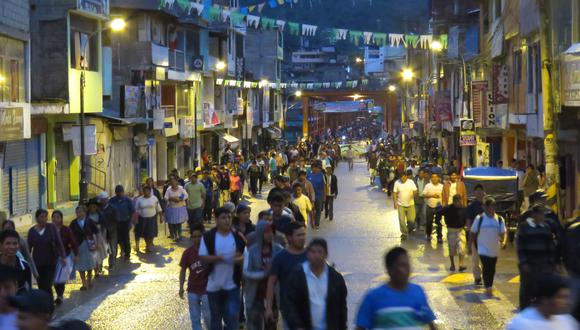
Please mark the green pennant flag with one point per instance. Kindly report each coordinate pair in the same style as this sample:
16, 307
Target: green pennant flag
238, 83
255, 85
349, 84
294, 28
318, 85
214, 14
237, 19
443, 40
183, 4
355, 37
412, 41
268, 23
380, 39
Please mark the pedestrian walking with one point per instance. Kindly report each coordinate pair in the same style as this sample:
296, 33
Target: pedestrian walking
85, 232
23, 251
222, 250
350, 158
453, 187
474, 209
404, 193
571, 258
307, 188
148, 209
397, 304
9, 278
257, 265
550, 310
196, 281
282, 266
111, 220
489, 234
71, 249
254, 174
316, 293
432, 193
176, 212
273, 167
331, 182
126, 209
208, 184
263, 172
195, 199
421, 180
224, 185
293, 170
242, 221
9, 257
303, 203
530, 184
46, 248
318, 179
235, 188
95, 215
537, 253
454, 216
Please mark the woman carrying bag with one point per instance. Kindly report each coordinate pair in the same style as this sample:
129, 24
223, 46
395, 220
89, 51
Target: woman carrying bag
71, 250
85, 232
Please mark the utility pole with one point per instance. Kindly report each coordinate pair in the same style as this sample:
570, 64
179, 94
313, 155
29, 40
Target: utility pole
550, 145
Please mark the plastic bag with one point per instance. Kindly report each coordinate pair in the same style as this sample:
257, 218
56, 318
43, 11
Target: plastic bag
63, 271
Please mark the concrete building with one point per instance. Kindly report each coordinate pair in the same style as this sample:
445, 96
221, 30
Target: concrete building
22, 180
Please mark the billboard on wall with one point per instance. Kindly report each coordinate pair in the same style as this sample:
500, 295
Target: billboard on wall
441, 110
478, 100
343, 106
11, 123
571, 80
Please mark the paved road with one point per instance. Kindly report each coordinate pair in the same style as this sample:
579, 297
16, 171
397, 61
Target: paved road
142, 294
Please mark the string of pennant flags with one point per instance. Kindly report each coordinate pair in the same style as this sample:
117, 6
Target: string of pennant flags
292, 85
243, 17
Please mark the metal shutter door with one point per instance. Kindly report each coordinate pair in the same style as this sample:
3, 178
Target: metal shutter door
33, 173
123, 169
14, 178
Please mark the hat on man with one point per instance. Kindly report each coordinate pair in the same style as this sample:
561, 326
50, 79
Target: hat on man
103, 195
33, 301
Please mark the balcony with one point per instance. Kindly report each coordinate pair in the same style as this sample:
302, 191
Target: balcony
159, 55
176, 60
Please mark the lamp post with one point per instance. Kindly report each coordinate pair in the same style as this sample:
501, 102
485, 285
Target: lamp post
297, 94
116, 24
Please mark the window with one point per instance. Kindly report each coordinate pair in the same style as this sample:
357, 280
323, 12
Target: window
158, 32
84, 51
12, 79
182, 100
517, 64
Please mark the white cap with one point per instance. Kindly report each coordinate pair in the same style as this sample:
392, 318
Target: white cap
103, 195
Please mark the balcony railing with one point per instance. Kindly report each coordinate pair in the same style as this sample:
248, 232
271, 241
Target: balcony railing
176, 59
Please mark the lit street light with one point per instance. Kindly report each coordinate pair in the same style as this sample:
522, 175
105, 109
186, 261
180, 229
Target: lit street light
118, 24
358, 60
407, 74
220, 65
436, 46
298, 93
392, 88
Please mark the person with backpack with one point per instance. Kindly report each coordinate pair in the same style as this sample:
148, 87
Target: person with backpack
488, 233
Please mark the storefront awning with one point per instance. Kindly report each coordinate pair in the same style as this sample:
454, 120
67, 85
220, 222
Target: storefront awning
229, 138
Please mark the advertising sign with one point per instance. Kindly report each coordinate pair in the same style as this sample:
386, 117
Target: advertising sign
571, 80
131, 101
490, 113
479, 101
90, 139
442, 107
11, 123
467, 135
343, 106
186, 128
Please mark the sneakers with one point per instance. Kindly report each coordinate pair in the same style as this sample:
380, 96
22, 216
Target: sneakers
477, 281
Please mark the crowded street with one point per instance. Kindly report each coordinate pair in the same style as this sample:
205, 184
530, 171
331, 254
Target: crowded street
143, 293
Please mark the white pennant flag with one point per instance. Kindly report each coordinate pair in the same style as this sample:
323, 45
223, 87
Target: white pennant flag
368, 36
197, 6
425, 41
310, 85
354, 84
280, 24
225, 14
326, 85
309, 30
253, 21
396, 39
247, 84
342, 33
339, 84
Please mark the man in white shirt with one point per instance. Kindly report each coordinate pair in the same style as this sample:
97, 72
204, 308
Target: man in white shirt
550, 310
404, 194
489, 232
222, 249
432, 194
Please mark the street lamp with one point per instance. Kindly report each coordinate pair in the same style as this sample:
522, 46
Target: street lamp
407, 74
220, 65
358, 60
436, 46
392, 88
116, 24
297, 94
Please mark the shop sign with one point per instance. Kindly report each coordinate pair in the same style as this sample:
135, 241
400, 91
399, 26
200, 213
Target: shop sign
500, 84
479, 101
467, 135
132, 94
158, 118
490, 113
186, 128
210, 117
571, 80
97, 7
11, 123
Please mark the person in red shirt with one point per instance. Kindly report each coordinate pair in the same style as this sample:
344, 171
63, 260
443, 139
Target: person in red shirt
196, 282
235, 187
70, 245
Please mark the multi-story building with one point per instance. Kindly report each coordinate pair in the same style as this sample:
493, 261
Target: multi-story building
21, 174
323, 64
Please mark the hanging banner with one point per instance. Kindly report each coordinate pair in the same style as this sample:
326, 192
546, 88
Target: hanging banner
210, 117
130, 106
441, 108
500, 84
478, 101
90, 139
490, 112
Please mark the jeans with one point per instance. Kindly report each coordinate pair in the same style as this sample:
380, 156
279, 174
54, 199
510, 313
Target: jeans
329, 207
207, 209
488, 270
419, 214
433, 213
318, 206
254, 186
198, 309
123, 229
46, 278
194, 216
235, 196
113, 240
406, 218
224, 306
59, 288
